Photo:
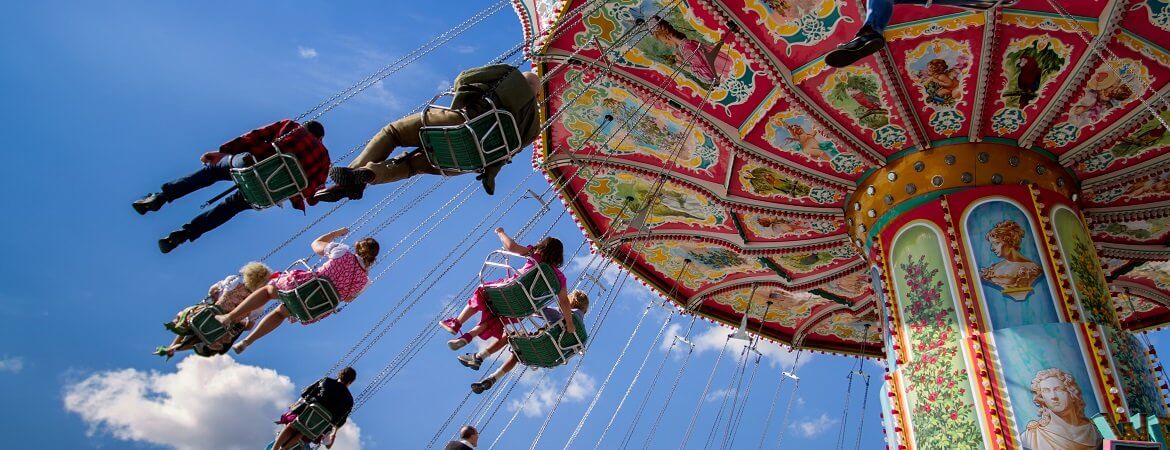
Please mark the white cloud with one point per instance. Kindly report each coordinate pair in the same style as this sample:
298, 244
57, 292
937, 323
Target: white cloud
720, 394
463, 49
712, 339
813, 427
307, 52
443, 85
175, 410
12, 364
547, 391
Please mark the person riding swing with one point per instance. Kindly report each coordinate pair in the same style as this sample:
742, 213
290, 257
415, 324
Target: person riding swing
476, 92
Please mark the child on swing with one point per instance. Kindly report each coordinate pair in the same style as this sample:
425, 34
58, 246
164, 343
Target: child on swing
346, 269
228, 293
549, 251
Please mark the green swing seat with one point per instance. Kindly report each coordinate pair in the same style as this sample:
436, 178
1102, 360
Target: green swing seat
204, 325
478, 142
271, 181
314, 421
550, 347
525, 295
311, 300
299, 446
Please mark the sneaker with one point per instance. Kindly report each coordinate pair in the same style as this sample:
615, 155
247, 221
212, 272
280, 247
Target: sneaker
149, 203
471, 360
346, 176
337, 192
452, 325
172, 240
867, 42
484, 385
456, 344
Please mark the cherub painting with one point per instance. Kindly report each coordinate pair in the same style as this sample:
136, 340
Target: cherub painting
1015, 273
1106, 91
939, 67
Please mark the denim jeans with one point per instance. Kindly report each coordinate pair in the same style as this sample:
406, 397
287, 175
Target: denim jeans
879, 12
204, 177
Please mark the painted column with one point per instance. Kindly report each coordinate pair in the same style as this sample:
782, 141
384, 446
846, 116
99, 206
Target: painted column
1001, 332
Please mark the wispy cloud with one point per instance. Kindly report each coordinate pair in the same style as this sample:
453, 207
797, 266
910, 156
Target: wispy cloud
13, 364
177, 409
813, 427
307, 52
721, 394
464, 49
713, 337
547, 391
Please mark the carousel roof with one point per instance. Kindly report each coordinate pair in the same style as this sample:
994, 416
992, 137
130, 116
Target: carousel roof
761, 143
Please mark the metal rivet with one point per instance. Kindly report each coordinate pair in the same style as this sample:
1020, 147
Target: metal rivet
871, 213
937, 180
984, 157
911, 188
1041, 170
1060, 182
966, 177
1014, 161
949, 159
891, 176
856, 206
861, 228
919, 166
850, 221
1074, 197
859, 243
889, 199
1025, 182
871, 190
996, 179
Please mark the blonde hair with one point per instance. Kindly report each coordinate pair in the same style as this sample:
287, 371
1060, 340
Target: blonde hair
255, 275
1066, 380
1008, 232
578, 299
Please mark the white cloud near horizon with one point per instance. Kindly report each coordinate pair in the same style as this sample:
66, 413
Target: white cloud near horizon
539, 403
813, 427
177, 409
11, 364
307, 52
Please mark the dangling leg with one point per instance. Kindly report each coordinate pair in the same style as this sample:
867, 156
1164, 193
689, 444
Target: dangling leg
474, 303
487, 383
209, 220
269, 323
869, 38
475, 360
254, 301
206, 176
288, 438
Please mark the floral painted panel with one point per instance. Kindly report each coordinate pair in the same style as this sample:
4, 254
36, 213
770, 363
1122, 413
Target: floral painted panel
1080, 259
710, 263
939, 391
1136, 373
612, 192
614, 121
786, 227
787, 310
1150, 230
856, 92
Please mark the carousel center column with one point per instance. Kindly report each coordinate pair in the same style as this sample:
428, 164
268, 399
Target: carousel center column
1000, 331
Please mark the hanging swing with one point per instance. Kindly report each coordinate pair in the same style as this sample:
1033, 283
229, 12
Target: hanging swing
526, 293
204, 325
312, 423
312, 299
275, 179
489, 138
550, 346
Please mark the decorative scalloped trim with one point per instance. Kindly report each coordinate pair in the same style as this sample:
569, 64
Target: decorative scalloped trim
901, 101
990, 44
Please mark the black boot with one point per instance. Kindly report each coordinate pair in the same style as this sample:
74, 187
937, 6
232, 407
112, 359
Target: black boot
484, 385
151, 202
346, 176
867, 42
337, 192
173, 240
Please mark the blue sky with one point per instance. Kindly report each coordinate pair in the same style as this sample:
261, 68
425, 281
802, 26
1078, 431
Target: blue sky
105, 101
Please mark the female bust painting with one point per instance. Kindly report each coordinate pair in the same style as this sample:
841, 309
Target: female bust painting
1062, 424
1015, 273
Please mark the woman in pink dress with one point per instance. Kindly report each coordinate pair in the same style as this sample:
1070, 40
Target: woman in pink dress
346, 269
549, 250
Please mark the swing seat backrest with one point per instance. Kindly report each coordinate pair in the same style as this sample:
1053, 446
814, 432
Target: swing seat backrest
205, 326
484, 140
314, 421
311, 300
271, 181
525, 295
551, 347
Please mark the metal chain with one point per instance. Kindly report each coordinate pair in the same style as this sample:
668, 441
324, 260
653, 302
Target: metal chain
706, 389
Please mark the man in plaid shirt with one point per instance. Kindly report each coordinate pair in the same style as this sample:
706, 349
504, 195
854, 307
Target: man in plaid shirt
303, 142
